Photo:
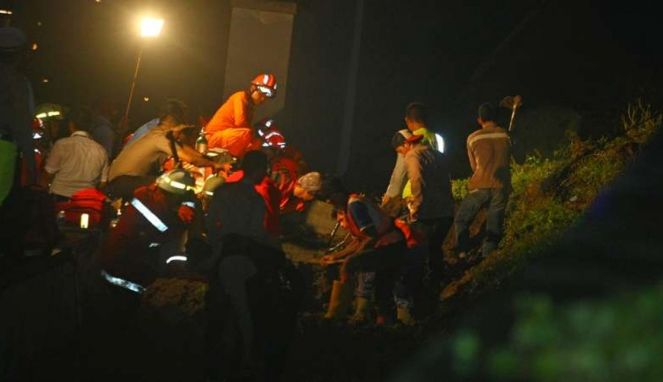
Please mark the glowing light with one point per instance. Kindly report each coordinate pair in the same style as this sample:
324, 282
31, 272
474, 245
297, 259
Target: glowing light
6, 12
151, 27
35, 46
41, 115
123, 283
44, 80
149, 215
85, 221
146, 99
39, 23
176, 258
53, 113
440, 143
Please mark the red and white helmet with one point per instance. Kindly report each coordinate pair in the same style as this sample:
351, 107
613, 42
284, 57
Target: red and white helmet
270, 133
266, 84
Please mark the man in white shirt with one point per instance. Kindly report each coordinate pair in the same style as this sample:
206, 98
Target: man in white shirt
77, 162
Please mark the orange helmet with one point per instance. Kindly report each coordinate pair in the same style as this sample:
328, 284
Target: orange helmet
266, 84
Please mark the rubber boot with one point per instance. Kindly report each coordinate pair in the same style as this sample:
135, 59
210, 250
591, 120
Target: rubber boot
340, 300
362, 311
403, 315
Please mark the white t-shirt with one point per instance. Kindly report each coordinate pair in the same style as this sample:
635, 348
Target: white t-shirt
78, 162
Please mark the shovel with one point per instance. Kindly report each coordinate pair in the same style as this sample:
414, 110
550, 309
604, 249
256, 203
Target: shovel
512, 103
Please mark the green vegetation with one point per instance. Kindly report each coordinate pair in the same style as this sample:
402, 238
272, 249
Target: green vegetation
550, 194
615, 338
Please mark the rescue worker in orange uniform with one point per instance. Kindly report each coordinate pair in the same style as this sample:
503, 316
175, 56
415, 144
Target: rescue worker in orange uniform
231, 127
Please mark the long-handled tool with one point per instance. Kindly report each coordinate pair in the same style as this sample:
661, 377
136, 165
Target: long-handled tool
512, 103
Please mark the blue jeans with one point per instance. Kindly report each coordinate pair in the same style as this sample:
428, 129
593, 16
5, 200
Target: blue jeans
495, 200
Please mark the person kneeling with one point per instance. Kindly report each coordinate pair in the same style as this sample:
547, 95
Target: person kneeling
374, 255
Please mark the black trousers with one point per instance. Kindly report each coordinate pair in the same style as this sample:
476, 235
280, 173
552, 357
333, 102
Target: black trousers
124, 186
435, 231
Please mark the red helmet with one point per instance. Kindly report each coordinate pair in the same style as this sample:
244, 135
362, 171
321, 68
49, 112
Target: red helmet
266, 84
270, 133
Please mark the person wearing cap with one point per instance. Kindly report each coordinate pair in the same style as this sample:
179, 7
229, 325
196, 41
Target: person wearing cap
139, 163
16, 113
431, 205
305, 189
416, 119
155, 217
156, 213
231, 126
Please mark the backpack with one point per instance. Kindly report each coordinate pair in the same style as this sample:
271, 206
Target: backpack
88, 201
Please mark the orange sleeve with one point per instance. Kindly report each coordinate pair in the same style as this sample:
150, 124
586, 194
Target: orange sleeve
243, 112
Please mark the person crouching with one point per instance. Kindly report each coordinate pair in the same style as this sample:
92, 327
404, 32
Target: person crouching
374, 255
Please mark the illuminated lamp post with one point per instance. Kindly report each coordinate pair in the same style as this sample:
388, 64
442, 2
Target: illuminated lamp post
150, 28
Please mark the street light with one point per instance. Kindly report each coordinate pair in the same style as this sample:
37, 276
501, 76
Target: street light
150, 28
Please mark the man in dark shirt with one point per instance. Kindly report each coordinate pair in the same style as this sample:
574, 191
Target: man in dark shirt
489, 151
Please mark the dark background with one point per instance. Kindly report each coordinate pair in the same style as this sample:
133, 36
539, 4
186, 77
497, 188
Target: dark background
584, 60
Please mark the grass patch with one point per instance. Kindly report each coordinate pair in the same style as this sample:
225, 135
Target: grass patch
550, 194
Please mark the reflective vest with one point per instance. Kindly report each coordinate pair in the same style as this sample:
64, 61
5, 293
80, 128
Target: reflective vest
145, 224
387, 232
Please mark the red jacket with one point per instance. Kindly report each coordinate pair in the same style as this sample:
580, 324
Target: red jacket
129, 249
285, 172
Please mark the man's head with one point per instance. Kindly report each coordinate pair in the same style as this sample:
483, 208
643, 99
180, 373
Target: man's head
174, 112
308, 186
263, 87
12, 45
255, 166
334, 192
80, 119
488, 113
186, 135
416, 116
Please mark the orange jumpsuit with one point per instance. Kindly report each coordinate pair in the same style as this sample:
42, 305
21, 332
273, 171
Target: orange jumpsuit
230, 128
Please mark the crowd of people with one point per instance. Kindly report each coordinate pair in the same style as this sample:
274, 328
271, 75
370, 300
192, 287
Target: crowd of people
220, 189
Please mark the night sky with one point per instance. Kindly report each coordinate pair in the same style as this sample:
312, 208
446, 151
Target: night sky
588, 57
